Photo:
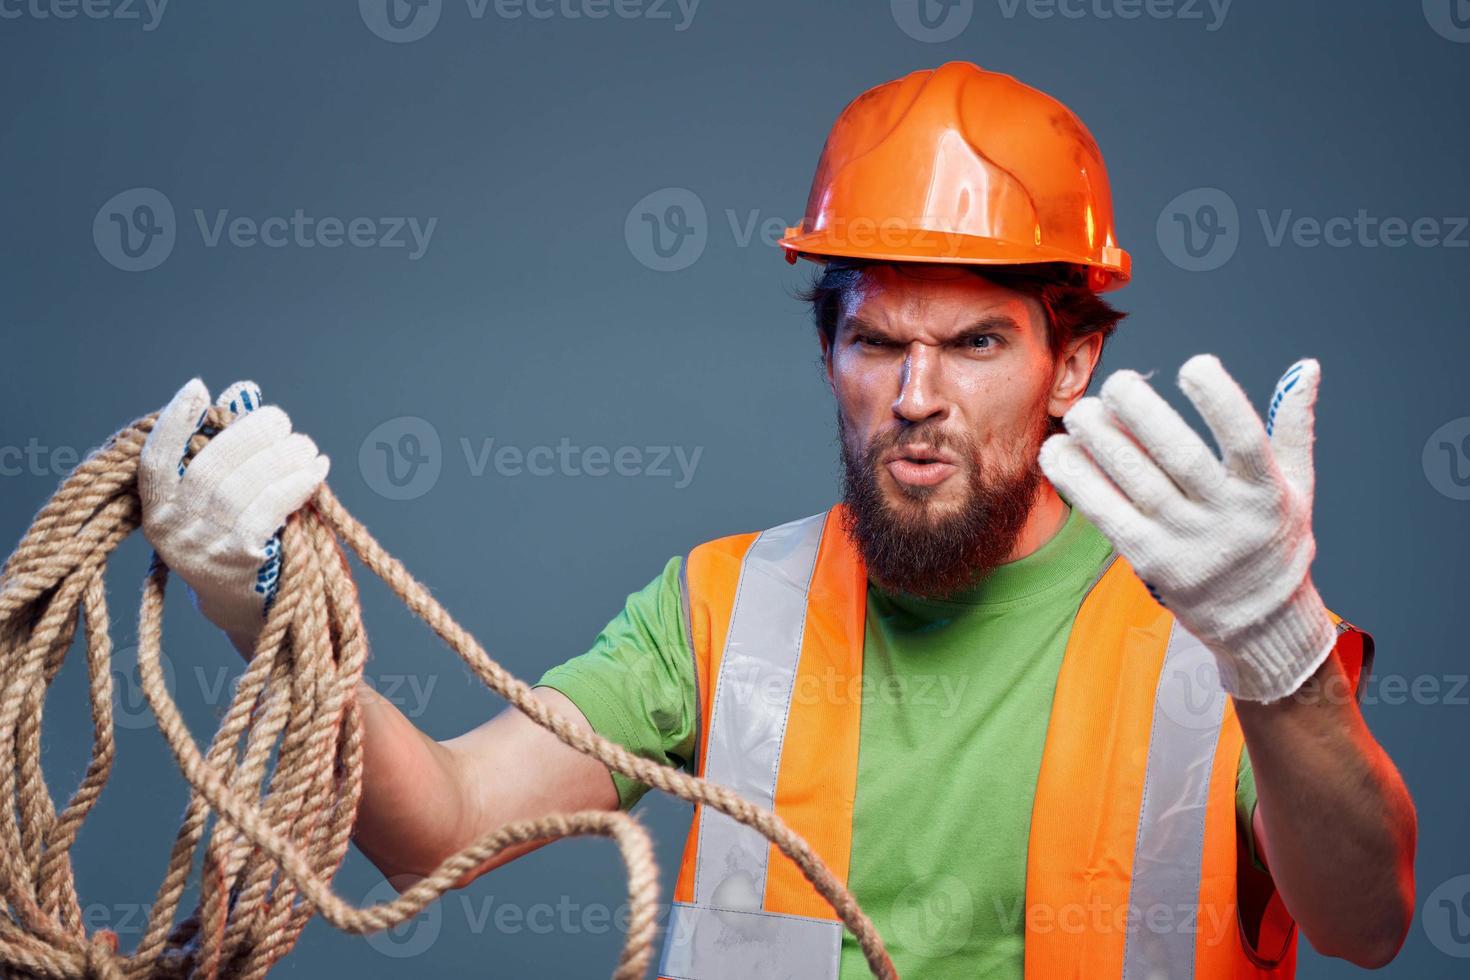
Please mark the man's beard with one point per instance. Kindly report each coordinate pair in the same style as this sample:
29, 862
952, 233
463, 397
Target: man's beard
937, 556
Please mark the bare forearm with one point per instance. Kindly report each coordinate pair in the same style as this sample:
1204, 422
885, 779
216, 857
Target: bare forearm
1336, 822
512, 769
424, 800
410, 816
412, 799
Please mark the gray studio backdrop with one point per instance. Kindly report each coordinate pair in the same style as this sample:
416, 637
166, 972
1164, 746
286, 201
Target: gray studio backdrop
477, 248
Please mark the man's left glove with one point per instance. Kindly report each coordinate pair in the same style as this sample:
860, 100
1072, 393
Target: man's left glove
216, 522
1225, 543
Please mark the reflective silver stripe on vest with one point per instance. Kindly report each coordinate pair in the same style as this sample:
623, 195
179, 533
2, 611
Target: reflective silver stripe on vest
752, 699
1165, 916
722, 944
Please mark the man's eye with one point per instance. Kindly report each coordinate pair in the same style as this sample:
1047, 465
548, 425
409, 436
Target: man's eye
868, 340
982, 341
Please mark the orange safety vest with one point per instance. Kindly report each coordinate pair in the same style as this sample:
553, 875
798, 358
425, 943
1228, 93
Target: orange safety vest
1132, 867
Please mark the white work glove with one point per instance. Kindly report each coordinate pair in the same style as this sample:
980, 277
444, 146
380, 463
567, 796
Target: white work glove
216, 523
1225, 544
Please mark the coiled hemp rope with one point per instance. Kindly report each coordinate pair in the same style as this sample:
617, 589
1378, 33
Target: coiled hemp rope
282, 830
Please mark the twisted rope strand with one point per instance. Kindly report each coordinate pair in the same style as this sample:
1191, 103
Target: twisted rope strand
281, 831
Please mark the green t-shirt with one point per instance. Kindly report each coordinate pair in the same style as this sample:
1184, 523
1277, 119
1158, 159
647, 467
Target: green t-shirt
956, 699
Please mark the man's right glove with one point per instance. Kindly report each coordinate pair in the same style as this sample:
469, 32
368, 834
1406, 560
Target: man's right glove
1225, 543
216, 522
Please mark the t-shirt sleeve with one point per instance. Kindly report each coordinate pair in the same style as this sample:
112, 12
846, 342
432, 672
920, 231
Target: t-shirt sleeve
637, 685
1245, 805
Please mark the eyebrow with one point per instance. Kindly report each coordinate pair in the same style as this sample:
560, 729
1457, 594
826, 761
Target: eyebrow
989, 323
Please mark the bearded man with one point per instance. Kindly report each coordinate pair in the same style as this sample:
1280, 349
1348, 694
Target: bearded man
1050, 690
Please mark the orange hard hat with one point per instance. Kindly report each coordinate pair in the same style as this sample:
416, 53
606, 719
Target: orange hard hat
958, 164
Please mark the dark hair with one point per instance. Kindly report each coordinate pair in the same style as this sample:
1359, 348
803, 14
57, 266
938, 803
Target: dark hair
1072, 310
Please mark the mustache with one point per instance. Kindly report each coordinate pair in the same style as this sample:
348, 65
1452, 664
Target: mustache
921, 433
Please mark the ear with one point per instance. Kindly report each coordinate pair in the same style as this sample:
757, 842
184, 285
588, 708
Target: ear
1073, 373
827, 361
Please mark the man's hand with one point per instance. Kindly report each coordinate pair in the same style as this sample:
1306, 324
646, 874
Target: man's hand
1225, 543
215, 522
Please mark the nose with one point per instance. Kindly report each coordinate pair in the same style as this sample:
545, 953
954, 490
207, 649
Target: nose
921, 389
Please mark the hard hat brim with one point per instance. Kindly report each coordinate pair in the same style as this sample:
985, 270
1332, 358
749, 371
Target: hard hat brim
896, 243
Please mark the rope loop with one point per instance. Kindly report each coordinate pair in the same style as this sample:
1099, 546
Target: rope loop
283, 772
